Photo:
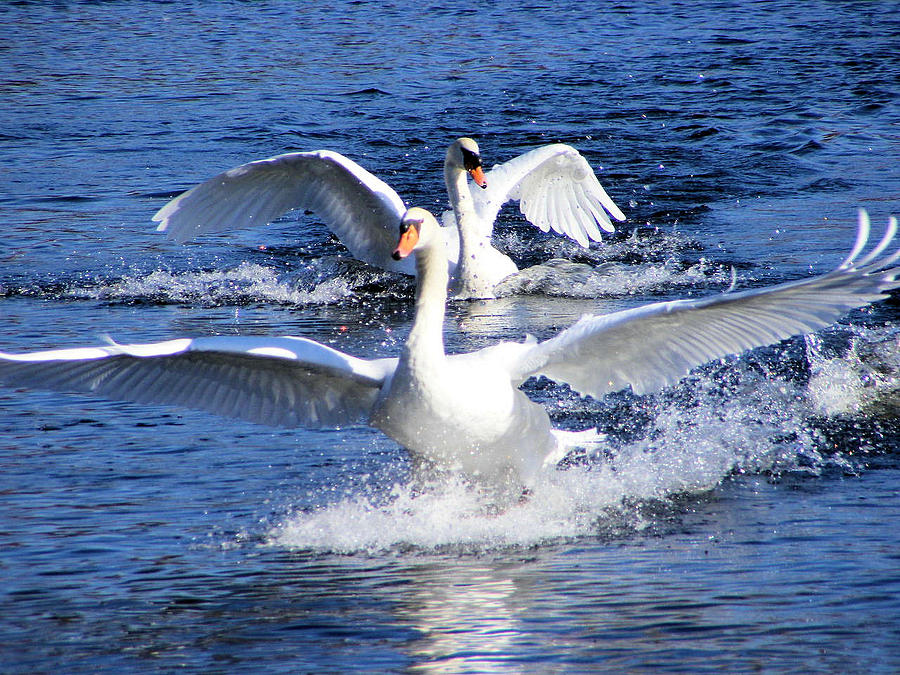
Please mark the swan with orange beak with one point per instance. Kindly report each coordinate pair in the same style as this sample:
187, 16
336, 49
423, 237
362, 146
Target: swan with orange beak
554, 185
463, 412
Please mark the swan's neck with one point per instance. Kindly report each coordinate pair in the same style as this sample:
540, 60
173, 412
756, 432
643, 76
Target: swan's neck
463, 208
471, 280
426, 339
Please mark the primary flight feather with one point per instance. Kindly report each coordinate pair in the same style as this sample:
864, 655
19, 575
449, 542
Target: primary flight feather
462, 411
555, 186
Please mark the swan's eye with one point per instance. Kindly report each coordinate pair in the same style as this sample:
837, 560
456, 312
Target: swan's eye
407, 223
471, 160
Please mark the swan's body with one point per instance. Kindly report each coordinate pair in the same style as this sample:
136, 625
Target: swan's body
470, 414
556, 188
462, 411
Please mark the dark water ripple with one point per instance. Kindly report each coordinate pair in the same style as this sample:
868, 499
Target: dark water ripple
739, 521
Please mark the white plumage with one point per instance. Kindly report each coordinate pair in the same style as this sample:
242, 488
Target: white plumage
554, 184
464, 411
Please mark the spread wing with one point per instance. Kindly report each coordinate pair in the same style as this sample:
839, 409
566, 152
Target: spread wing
280, 381
556, 189
655, 345
362, 210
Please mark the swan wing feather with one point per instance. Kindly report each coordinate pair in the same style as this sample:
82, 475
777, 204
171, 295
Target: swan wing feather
280, 381
655, 345
556, 189
362, 210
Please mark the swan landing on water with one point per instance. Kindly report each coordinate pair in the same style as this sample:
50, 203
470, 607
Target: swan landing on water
554, 185
463, 412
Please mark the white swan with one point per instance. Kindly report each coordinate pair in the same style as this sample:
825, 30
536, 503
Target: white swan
555, 186
463, 411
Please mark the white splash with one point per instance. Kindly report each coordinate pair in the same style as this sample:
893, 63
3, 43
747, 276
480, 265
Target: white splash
246, 282
451, 513
856, 378
753, 425
559, 277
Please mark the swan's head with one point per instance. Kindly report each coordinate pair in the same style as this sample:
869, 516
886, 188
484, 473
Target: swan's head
463, 153
418, 228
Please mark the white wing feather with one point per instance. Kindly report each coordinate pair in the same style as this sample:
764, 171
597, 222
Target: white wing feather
655, 345
556, 189
281, 381
362, 210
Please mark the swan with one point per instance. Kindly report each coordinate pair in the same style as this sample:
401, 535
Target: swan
464, 412
555, 186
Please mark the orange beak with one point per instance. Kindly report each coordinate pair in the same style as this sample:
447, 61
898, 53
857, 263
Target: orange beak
407, 243
478, 176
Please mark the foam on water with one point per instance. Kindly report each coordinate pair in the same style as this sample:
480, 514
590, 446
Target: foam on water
649, 260
329, 284
247, 282
861, 376
731, 419
558, 277
453, 512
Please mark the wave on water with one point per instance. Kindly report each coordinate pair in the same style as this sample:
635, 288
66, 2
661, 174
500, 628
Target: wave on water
558, 277
648, 260
248, 282
736, 417
855, 376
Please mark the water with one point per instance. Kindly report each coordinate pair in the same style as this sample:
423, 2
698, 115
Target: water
741, 520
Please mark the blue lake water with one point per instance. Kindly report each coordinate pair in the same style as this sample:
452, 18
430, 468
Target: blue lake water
745, 519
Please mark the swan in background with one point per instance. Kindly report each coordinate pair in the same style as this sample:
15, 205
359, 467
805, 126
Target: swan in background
555, 186
463, 411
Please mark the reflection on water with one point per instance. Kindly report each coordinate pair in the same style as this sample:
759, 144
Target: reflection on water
467, 617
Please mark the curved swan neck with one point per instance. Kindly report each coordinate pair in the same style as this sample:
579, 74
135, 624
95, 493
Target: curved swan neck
473, 244
427, 333
462, 203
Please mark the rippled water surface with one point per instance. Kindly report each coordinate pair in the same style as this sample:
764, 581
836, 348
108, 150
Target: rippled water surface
741, 520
